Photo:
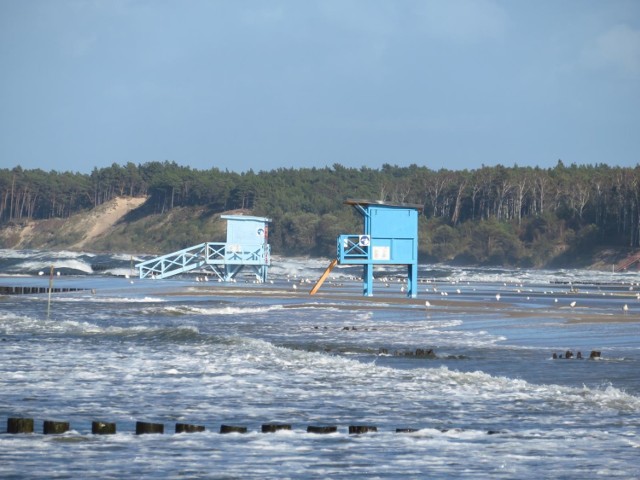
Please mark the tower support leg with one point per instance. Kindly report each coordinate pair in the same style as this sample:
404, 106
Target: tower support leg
368, 280
412, 280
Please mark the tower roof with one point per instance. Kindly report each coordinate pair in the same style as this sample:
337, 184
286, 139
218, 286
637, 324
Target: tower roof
245, 217
352, 201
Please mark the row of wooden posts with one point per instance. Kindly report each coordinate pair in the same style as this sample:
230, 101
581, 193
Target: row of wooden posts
27, 290
25, 425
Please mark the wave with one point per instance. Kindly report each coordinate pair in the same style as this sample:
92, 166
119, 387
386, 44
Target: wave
64, 254
120, 272
6, 253
175, 334
325, 375
125, 257
464, 386
44, 266
534, 276
12, 324
33, 261
439, 386
96, 299
223, 310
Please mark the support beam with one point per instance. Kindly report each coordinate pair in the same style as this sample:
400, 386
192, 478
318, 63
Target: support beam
324, 276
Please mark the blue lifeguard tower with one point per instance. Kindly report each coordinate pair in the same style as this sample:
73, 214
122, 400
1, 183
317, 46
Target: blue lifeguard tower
390, 237
246, 246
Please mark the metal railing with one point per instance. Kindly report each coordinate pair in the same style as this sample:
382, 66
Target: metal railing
353, 247
204, 254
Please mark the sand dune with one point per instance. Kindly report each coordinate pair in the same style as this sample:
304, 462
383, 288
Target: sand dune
101, 219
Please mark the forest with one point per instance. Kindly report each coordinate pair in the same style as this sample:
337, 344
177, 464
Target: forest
492, 215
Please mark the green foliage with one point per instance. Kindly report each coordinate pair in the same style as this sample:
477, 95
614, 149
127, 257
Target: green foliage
492, 215
493, 243
443, 240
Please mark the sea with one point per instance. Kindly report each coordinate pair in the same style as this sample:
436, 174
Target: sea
458, 382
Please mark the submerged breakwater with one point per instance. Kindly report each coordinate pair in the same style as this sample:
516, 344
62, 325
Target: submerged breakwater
26, 426
27, 290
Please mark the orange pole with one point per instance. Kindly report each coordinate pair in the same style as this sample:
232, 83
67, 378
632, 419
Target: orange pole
324, 276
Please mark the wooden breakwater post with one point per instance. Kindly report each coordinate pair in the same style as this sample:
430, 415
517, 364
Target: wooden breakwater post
357, 429
51, 427
322, 429
103, 428
274, 427
188, 428
20, 425
26, 290
232, 429
146, 427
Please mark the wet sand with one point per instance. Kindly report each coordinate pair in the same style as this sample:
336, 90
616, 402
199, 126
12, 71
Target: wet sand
507, 307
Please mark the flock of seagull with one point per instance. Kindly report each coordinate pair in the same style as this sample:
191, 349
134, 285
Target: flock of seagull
388, 281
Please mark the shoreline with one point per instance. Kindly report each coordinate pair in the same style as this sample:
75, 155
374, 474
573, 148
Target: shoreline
349, 301
511, 305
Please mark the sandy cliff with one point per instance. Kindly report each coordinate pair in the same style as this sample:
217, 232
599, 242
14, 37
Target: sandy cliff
74, 233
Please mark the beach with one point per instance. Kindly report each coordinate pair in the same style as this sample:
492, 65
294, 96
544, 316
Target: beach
461, 387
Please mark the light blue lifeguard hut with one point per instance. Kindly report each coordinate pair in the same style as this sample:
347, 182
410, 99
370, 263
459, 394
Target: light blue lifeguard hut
390, 237
247, 246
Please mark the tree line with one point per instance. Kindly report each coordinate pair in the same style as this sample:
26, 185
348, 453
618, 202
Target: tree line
493, 214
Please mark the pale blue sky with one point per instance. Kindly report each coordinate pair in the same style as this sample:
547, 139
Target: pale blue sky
243, 84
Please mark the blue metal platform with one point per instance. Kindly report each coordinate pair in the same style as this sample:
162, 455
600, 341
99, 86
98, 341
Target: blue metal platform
390, 238
246, 246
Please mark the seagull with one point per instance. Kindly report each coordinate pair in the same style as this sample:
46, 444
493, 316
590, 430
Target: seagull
498, 296
625, 308
573, 304
427, 304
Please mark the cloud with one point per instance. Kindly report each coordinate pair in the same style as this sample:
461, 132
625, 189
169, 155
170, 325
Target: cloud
618, 48
463, 21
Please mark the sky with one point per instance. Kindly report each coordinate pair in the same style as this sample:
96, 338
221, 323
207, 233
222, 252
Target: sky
267, 84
